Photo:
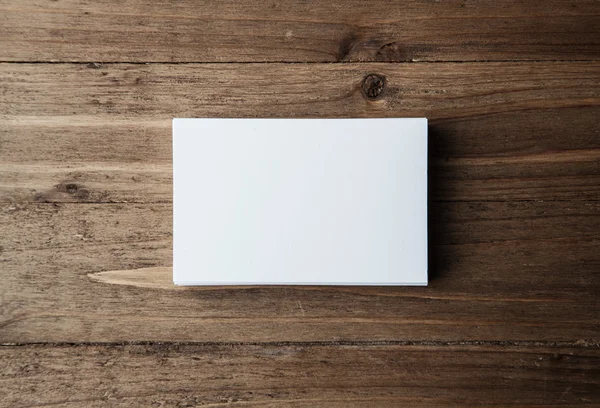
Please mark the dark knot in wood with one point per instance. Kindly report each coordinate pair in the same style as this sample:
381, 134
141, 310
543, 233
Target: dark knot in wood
373, 85
71, 188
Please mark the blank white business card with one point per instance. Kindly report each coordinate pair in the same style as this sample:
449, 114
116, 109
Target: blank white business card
300, 201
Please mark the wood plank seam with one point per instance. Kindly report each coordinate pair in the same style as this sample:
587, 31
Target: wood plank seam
584, 343
98, 64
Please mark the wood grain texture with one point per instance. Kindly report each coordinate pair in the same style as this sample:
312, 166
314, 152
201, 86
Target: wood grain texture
499, 271
499, 131
319, 31
292, 375
88, 314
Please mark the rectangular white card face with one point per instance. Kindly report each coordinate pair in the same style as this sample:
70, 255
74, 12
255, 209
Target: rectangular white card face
300, 201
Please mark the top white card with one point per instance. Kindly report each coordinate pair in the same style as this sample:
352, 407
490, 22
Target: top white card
300, 201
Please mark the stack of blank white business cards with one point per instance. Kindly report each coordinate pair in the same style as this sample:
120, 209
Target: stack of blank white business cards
300, 201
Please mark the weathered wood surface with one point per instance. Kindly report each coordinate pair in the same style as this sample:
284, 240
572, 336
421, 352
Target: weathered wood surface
499, 131
283, 375
88, 315
499, 271
318, 31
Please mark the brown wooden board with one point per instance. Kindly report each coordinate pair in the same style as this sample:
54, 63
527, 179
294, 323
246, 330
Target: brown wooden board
498, 271
293, 375
88, 313
283, 31
498, 131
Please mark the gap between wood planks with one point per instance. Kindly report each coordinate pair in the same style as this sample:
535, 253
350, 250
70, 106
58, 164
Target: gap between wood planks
507, 61
584, 343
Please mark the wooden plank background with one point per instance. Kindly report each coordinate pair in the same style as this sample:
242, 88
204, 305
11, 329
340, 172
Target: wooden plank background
88, 314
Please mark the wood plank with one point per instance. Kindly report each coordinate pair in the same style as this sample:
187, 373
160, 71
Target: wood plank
48, 226
322, 31
297, 375
499, 271
499, 131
